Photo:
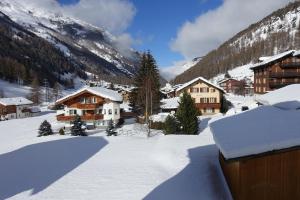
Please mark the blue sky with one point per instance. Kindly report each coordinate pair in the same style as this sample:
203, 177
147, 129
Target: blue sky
175, 31
157, 21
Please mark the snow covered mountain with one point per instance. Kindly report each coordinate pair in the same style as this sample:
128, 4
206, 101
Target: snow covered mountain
92, 47
274, 34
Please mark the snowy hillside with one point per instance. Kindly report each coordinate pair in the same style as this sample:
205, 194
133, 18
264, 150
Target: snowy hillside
274, 34
238, 73
84, 43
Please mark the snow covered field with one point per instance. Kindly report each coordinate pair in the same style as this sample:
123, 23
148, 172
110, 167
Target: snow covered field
100, 167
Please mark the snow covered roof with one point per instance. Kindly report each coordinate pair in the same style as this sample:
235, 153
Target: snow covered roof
274, 58
15, 101
286, 98
227, 79
264, 129
196, 80
99, 91
171, 103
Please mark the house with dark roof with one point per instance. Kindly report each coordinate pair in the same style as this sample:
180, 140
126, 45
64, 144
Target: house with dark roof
207, 96
276, 71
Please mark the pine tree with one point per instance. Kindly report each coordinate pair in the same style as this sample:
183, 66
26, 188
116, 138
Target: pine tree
76, 129
45, 129
145, 98
110, 127
187, 115
35, 92
170, 125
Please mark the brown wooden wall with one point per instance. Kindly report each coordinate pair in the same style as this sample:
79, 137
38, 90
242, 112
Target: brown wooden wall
74, 102
273, 176
7, 109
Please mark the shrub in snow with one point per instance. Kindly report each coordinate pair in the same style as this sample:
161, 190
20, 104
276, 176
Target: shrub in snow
170, 125
61, 131
76, 129
45, 129
187, 115
157, 125
121, 122
109, 129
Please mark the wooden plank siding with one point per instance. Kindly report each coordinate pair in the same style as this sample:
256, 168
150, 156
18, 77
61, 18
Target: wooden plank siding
277, 74
74, 102
273, 176
7, 109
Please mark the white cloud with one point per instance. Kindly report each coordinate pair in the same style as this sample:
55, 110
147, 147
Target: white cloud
211, 29
113, 15
177, 68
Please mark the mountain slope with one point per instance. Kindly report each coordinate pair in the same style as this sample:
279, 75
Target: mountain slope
274, 34
93, 49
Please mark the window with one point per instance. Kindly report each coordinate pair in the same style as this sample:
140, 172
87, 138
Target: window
204, 100
210, 110
109, 111
212, 100
213, 90
83, 112
73, 112
204, 89
82, 100
100, 111
94, 100
88, 100
116, 111
194, 90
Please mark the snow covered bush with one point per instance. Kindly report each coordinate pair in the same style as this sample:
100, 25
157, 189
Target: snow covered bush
76, 129
45, 129
170, 125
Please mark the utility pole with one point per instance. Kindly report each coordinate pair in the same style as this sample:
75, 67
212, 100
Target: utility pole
46, 86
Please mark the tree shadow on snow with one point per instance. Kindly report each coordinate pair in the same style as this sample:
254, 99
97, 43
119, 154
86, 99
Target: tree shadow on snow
37, 166
200, 179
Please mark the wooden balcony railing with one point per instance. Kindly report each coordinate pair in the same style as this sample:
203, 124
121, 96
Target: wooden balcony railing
290, 65
83, 117
284, 75
279, 83
87, 106
208, 105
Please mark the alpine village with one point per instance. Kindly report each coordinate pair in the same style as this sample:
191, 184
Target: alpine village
88, 109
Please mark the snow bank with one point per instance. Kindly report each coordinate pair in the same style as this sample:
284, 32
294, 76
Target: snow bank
286, 98
260, 130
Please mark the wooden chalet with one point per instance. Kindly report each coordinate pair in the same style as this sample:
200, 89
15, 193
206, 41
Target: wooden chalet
260, 154
277, 71
95, 105
207, 96
16, 107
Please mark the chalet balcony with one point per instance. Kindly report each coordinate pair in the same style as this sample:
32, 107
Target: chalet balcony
274, 84
83, 117
284, 75
290, 65
87, 106
208, 105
